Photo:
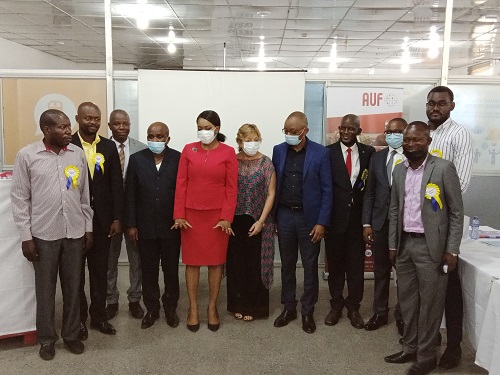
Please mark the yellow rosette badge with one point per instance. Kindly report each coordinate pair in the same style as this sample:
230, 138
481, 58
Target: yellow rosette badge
437, 152
98, 159
72, 173
432, 192
364, 176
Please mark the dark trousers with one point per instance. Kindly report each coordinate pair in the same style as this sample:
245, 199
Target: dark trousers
293, 236
246, 294
62, 256
454, 309
345, 253
152, 253
97, 262
382, 273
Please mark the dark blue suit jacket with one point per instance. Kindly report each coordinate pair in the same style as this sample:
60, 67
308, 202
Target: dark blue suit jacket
316, 184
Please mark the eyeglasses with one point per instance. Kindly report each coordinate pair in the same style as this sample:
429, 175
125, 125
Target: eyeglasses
296, 132
440, 104
387, 132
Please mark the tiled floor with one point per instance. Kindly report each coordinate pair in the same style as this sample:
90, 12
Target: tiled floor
237, 348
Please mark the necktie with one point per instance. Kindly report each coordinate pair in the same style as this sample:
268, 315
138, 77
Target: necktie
122, 156
390, 164
348, 161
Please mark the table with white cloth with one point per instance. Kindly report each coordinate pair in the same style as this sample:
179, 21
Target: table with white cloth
479, 269
17, 277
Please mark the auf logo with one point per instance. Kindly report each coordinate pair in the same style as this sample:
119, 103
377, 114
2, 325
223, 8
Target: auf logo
373, 99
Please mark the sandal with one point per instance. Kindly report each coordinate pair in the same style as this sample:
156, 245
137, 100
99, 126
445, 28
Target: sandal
238, 316
248, 318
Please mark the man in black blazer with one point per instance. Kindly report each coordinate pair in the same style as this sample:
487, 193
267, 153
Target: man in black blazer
107, 200
376, 220
150, 190
345, 250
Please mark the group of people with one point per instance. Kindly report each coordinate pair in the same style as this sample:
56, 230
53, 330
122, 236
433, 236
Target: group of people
75, 196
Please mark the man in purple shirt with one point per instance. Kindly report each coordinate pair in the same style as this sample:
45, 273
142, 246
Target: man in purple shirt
425, 230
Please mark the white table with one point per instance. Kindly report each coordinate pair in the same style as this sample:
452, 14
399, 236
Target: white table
17, 277
479, 269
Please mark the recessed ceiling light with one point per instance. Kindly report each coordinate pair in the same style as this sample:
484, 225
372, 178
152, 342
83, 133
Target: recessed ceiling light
263, 14
60, 42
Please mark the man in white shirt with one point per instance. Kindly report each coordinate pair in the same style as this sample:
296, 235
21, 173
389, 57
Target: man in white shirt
119, 124
375, 221
450, 141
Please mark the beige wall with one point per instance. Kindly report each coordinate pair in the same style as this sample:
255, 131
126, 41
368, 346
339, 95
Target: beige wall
23, 102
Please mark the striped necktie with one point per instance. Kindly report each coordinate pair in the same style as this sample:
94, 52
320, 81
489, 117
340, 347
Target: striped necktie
122, 156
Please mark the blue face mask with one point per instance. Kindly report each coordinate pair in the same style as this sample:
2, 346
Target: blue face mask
292, 140
156, 147
394, 140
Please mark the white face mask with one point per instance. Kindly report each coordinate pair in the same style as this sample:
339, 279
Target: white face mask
206, 136
251, 148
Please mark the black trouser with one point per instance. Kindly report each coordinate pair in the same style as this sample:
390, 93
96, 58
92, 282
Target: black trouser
454, 309
152, 252
97, 261
381, 271
345, 253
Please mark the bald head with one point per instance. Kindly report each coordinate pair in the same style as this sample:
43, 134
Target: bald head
353, 119
420, 126
299, 117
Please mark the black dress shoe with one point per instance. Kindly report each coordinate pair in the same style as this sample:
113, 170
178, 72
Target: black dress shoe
333, 316
401, 327
400, 357
422, 368
75, 346
193, 327
375, 322
103, 327
285, 317
84, 332
308, 324
111, 310
213, 327
172, 318
136, 310
149, 319
356, 319
451, 357
47, 351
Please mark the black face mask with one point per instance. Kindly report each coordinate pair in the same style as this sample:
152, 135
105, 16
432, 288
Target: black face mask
415, 155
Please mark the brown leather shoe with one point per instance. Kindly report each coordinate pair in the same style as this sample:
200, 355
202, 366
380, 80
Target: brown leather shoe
356, 319
333, 316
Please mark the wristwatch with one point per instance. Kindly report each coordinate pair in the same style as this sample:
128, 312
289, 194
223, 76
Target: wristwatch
454, 255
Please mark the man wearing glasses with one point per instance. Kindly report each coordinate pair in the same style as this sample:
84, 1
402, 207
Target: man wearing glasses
450, 141
376, 221
302, 211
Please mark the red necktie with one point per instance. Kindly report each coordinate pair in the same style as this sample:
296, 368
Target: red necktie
348, 162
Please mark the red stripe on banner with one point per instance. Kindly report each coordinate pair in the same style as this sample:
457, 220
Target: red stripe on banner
369, 123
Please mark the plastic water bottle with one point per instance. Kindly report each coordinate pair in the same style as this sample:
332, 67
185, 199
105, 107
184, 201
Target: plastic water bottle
474, 233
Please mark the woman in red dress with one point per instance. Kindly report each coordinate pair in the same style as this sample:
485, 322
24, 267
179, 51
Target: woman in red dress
205, 202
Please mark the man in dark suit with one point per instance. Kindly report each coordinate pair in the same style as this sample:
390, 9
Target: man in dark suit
376, 220
150, 191
425, 231
107, 201
345, 250
302, 210
119, 124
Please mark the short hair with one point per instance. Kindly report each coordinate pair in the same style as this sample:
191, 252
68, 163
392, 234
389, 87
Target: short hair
47, 118
420, 125
301, 116
399, 119
117, 111
214, 118
443, 89
245, 130
354, 118
160, 124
